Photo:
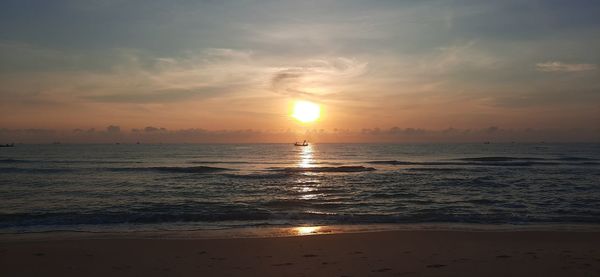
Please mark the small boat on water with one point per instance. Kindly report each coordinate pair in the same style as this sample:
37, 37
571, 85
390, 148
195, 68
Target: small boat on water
7, 145
301, 144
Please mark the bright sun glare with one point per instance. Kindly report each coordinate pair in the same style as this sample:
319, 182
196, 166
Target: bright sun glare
307, 230
306, 111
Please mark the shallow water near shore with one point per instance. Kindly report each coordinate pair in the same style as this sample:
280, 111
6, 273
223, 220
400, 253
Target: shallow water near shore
106, 188
203, 233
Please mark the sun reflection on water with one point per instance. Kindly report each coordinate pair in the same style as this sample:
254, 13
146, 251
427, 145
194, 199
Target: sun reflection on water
306, 157
307, 185
307, 230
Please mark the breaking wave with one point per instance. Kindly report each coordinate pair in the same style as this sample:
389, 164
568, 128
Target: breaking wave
324, 169
173, 169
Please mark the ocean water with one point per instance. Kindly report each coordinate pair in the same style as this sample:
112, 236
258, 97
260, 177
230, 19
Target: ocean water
173, 187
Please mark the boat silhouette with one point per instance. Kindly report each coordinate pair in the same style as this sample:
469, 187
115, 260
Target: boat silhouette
301, 144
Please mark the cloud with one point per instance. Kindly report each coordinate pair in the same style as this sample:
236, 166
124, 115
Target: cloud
236, 65
113, 129
154, 129
395, 134
459, 56
564, 67
316, 77
137, 77
161, 96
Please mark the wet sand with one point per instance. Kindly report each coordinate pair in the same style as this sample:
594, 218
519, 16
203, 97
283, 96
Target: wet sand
389, 253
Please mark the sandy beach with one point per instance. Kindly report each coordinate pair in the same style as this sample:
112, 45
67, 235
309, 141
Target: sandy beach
387, 253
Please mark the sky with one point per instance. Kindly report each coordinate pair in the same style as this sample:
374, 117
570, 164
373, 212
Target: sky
230, 71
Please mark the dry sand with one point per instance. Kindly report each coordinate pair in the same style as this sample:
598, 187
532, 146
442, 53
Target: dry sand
391, 253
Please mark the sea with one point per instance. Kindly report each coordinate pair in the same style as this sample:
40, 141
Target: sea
146, 187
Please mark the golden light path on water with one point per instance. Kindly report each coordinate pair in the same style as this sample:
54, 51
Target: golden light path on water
307, 230
306, 157
306, 185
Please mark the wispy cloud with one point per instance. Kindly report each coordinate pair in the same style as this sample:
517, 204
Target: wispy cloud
316, 77
564, 67
236, 65
459, 56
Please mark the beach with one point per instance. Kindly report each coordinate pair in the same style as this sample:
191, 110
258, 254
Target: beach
319, 210
384, 253
299, 138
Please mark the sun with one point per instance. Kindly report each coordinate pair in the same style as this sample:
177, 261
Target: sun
306, 111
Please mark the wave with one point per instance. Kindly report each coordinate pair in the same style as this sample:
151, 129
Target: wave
173, 169
493, 161
324, 169
535, 160
576, 159
287, 203
257, 175
15, 161
589, 163
250, 216
464, 161
94, 161
21, 220
500, 159
392, 162
71, 161
394, 195
164, 169
441, 169
218, 162
34, 170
